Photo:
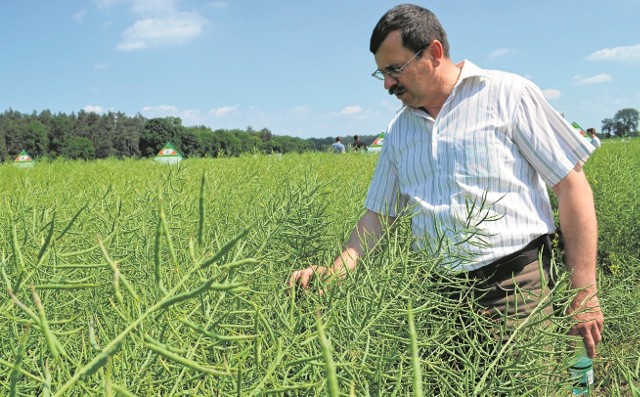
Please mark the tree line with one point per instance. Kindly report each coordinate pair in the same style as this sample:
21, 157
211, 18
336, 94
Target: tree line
88, 135
623, 124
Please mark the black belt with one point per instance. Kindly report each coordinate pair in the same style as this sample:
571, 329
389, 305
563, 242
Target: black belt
506, 266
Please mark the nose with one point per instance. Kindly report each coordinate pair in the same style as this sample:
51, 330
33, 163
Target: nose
389, 81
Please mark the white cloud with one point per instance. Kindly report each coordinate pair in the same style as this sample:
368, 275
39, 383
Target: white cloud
150, 32
629, 54
166, 109
223, 111
597, 79
350, 110
218, 4
500, 52
154, 7
93, 109
551, 94
101, 66
188, 116
80, 15
160, 23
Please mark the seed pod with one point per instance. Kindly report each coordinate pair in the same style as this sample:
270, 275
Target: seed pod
184, 361
17, 365
49, 336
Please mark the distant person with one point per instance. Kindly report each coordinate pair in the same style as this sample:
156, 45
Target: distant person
595, 141
338, 147
470, 135
357, 143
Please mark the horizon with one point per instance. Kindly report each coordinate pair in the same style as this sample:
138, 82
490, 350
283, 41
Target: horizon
299, 70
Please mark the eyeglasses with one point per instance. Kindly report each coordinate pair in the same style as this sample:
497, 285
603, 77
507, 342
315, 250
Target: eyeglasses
395, 72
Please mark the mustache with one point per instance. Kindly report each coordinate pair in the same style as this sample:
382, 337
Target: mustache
397, 89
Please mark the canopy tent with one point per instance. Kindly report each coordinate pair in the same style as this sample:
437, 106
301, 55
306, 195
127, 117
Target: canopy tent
168, 155
24, 160
376, 146
582, 131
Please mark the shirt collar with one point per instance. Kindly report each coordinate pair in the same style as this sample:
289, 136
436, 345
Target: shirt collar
469, 70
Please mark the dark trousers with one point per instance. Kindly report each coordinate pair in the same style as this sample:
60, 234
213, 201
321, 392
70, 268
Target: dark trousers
509, 290
514, 298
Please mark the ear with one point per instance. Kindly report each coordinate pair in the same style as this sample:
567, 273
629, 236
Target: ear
435, 51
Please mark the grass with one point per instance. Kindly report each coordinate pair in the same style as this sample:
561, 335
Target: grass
135, 278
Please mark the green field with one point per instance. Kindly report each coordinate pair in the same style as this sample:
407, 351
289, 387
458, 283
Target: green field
132, 278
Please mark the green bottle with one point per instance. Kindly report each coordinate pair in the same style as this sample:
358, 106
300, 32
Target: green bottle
581, 374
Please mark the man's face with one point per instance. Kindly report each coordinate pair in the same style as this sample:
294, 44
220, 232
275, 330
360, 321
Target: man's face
411, 85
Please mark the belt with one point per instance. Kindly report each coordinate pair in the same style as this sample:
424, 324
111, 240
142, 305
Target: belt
506, 266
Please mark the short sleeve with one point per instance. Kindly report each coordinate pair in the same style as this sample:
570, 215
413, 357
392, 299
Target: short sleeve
549, 143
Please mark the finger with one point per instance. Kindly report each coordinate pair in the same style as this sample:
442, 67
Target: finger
590, 346
597, 333
590, 338
303, 278
297, 279
600, 326
289, 285
292, 279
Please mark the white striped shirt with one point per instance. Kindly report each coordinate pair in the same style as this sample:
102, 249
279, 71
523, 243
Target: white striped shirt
495, 141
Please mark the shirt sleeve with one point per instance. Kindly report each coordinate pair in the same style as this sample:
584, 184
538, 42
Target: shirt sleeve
383, 195
549, 143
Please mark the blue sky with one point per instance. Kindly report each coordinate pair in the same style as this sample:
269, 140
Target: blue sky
298, 68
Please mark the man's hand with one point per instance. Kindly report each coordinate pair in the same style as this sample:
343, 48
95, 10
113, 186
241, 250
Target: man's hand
587, 314
302, 278
363, 237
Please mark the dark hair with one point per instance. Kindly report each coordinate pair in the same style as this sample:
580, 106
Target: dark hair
338, 139
418, 26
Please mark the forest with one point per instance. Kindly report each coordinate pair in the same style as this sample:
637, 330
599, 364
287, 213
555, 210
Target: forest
87, 135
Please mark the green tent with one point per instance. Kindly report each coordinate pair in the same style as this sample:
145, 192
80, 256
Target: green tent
376, 146
168, 155
581, 131
24, 160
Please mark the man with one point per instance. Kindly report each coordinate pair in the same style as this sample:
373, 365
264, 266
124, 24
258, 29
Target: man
357, 144
338, 147
468, 135
595, 141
